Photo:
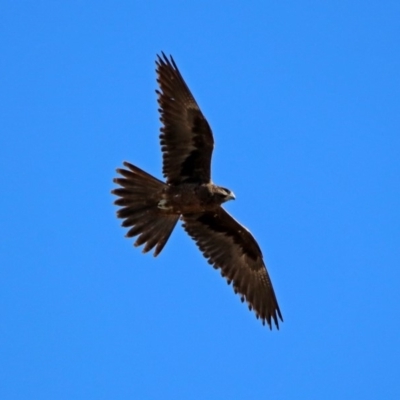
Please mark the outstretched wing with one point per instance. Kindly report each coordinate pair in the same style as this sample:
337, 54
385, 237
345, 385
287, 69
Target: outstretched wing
186, 138
230, 247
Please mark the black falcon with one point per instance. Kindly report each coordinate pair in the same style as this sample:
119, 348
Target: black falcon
151, 208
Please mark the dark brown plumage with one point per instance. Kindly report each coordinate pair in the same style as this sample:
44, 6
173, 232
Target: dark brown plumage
186, 138
151, 208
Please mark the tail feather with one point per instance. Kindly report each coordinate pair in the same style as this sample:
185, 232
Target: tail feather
139, 194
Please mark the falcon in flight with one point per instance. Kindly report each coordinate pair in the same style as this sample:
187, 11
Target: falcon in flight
151, 208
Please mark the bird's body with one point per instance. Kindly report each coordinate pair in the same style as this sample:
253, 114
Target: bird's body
151, 208
189, 198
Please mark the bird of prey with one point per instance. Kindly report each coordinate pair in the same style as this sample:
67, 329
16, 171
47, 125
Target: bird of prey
151, 208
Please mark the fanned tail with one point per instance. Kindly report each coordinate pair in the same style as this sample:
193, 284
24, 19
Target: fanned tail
139, 196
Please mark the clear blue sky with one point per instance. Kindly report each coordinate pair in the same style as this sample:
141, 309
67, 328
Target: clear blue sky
304, 102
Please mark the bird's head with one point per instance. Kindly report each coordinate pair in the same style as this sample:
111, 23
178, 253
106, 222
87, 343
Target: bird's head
224, 194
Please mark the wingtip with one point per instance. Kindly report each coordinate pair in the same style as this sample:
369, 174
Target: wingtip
156, 253
276, 320
163, 59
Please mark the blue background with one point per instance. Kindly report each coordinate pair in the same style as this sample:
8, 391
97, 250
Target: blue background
304, 102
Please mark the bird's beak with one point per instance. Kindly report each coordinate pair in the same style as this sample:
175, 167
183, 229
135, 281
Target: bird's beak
231, 196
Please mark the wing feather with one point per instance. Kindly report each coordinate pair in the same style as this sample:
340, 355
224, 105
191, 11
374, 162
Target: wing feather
231, 247
186, 138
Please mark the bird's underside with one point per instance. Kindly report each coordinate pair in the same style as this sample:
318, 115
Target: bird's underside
151, 208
